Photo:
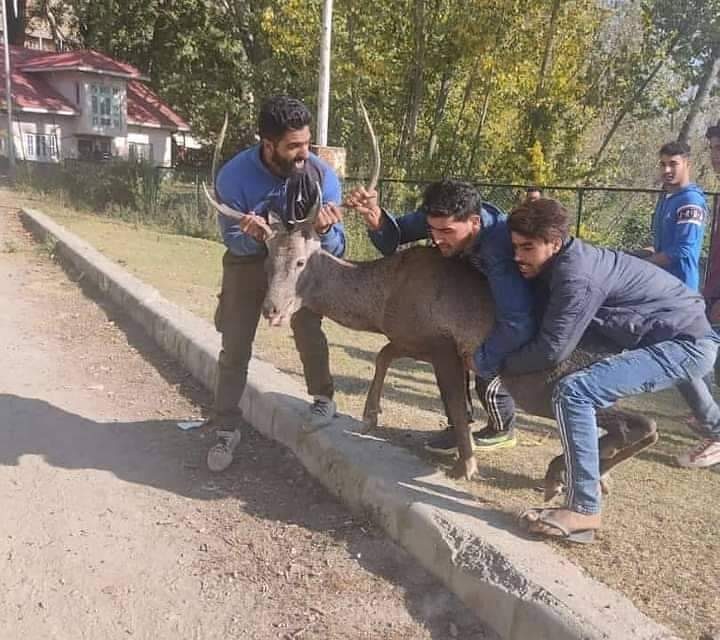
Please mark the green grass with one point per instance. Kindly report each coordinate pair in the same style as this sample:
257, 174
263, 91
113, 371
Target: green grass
661, 538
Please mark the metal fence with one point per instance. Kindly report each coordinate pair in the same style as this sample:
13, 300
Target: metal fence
618, 217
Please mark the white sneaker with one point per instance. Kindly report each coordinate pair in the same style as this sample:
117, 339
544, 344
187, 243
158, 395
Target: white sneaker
322, 412
705, 454
220, 456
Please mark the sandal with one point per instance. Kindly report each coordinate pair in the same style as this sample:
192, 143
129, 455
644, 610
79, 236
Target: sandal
542, 522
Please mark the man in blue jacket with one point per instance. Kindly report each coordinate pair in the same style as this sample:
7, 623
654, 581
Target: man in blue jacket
462, 226
658, 321
278, 174
679, 218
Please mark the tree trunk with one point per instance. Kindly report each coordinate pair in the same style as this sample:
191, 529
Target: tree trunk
707, 82
16, 22
545, 70
627, 107
415, 100
440, 104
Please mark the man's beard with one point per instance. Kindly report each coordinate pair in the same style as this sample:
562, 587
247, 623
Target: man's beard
286, 166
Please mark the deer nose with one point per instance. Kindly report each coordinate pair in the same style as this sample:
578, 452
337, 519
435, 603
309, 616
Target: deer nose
269, 310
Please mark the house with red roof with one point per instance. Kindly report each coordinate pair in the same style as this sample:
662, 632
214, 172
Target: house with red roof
84, 104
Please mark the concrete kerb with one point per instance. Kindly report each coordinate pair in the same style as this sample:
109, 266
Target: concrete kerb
522, 589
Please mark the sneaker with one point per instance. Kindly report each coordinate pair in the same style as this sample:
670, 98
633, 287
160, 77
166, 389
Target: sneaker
445, 443
322, 412
488, 438
705, 454
220, 456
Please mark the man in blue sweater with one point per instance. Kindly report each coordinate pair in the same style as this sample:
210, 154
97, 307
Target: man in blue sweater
657, 322
462, 226
679, 218
278, 174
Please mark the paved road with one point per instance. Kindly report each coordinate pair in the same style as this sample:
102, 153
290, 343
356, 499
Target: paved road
110, 526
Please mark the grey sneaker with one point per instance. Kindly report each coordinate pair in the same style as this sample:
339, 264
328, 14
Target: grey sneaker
220, 456
322, 412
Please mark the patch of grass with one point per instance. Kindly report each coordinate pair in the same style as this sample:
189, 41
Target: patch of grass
661, 538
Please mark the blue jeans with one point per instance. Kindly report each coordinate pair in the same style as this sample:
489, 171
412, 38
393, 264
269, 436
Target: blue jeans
680, 362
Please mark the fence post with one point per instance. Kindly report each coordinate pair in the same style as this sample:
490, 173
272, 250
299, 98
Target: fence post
580, 196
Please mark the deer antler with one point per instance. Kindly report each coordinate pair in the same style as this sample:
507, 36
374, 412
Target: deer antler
224, 209
376, 148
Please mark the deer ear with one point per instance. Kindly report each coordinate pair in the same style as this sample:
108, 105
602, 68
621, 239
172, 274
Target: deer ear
313, 206
274, 220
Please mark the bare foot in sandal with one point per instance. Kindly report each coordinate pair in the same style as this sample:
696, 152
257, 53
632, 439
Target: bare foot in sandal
563, 524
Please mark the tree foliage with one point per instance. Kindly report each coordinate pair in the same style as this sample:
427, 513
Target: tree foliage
504, 90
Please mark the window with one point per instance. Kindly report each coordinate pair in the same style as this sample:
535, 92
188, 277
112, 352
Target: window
140, 152
41, 146
95, 149
106, 106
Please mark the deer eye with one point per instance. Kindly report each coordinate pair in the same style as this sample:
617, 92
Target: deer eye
300, 263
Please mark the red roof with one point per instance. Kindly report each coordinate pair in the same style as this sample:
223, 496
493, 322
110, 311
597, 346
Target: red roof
31, 92
145, 108
81, 60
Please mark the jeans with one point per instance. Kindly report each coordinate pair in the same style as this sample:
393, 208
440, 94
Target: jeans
497, 402
681, 362
244, 284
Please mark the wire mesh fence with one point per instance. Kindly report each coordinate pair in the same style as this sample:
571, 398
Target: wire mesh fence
618, 217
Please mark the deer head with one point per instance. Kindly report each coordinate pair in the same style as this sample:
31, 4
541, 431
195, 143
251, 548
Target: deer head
292, 244
290, 247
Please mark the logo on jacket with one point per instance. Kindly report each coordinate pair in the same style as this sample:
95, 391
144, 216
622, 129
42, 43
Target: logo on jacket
691, 214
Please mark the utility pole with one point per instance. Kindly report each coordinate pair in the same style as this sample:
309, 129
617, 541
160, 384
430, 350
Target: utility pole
8, 96
324, 77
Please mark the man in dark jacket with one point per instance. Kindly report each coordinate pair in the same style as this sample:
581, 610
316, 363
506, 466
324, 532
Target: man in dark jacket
658, 321
462, 226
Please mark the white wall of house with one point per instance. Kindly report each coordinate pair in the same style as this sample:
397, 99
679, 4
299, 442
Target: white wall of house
52, 138
39, 137
159, 141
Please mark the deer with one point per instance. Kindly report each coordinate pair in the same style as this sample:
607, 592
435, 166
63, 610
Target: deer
432, 309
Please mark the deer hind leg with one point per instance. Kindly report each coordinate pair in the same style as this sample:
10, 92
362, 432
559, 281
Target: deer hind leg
383, 360
450, 376
634, 434
627, 435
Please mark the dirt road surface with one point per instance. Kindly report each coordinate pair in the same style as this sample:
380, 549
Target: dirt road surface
110, 525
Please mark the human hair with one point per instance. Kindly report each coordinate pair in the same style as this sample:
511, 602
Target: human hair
544, 218
280, 114
675, 148
713, 131
451, 198
533, 189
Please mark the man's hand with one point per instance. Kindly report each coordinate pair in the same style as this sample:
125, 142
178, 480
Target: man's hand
365, 203
328, 215
255, 227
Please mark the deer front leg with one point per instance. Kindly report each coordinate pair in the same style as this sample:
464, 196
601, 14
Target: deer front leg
450, 376
372, 408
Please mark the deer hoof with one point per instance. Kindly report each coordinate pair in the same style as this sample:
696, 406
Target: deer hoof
605, 485
553, 489
370, 422
466, 469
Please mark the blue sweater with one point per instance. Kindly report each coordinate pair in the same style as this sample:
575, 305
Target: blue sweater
492, 255
628, 300
678, 228
247, 185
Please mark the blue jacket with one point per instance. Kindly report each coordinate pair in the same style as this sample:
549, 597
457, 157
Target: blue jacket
678, 228
626, 299
492, 255
247, 185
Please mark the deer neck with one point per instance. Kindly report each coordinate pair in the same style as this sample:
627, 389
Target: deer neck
351, 294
